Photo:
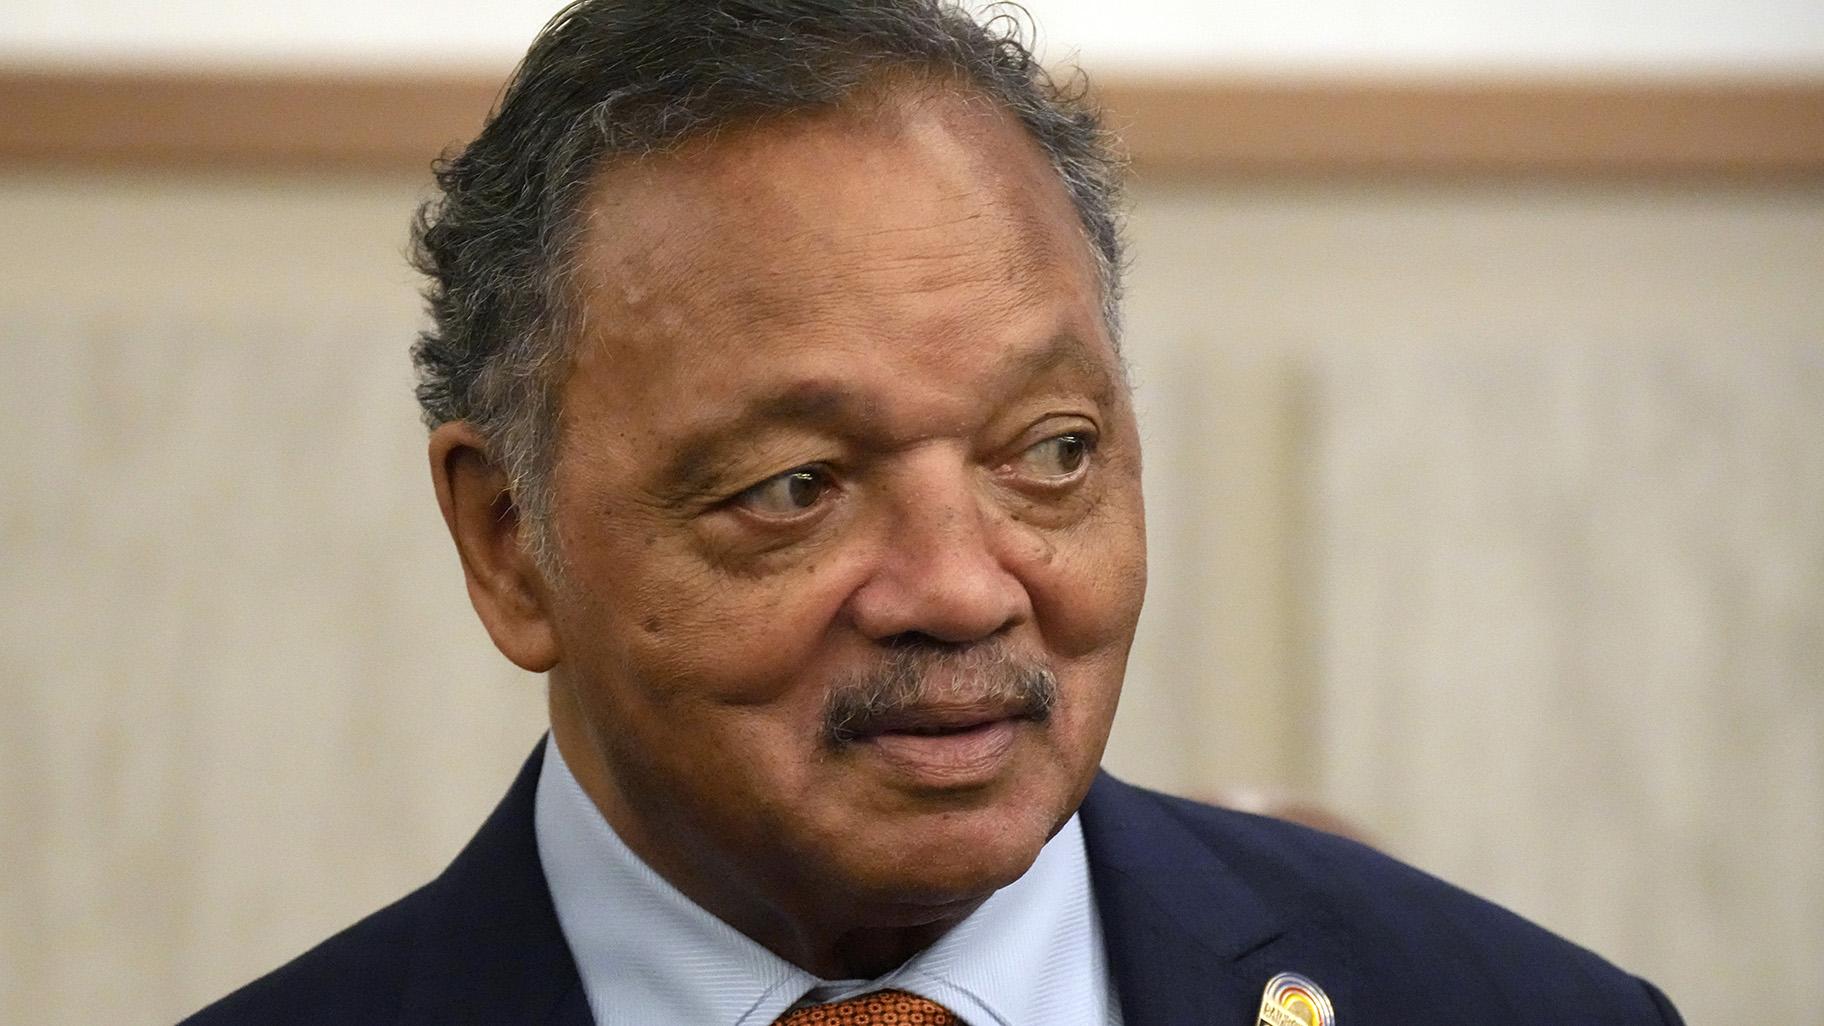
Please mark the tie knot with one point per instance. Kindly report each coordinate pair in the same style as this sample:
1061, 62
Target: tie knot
881, 1008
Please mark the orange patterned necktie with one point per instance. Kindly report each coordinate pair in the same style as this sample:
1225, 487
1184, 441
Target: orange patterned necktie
881, 1008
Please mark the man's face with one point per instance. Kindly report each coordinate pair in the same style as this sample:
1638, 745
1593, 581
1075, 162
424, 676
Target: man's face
848, 491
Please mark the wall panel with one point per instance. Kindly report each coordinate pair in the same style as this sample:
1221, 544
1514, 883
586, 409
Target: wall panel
1556, 437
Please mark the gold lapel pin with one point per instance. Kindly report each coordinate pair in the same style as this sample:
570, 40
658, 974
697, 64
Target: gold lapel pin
1292, 1000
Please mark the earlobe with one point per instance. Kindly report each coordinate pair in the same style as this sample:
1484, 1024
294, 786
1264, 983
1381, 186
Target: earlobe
506, 587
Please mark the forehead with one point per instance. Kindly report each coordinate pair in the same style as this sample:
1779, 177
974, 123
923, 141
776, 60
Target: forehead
922, 230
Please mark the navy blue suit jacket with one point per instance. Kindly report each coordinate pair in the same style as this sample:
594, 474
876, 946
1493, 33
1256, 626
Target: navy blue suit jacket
1199, 906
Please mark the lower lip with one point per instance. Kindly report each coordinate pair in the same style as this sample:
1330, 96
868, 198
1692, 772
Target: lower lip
966, 758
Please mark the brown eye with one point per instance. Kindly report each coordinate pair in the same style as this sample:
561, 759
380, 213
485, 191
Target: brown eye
787, 494
1058, 457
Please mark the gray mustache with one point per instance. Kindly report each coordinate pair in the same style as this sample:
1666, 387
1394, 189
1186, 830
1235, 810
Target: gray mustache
913, 677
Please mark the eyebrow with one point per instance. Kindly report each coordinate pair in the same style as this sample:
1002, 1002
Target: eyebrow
693, 468
1066, 349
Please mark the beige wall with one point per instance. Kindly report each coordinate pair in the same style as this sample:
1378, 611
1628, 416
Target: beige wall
1489, 514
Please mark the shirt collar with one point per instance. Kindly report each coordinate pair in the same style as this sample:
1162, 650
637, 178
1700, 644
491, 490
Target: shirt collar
1032, 953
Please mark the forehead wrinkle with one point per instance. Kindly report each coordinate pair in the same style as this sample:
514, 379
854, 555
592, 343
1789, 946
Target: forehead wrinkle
846, 287
673, 275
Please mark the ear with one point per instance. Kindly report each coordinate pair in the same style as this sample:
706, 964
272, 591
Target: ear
508, 590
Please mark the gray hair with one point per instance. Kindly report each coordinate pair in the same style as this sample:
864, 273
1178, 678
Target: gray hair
620, 80
919, 673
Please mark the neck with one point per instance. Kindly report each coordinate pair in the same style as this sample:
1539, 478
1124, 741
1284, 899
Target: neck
867, 953
847, 941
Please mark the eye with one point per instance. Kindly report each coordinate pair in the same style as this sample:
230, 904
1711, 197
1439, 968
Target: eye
786, 495
1058, 458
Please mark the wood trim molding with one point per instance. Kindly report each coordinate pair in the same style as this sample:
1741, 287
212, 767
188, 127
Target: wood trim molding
1607, 128
279, 121
1174, 128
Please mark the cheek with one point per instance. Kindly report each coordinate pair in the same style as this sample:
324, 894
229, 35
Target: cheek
1088, 587
689, 633
1087, 596
705, 691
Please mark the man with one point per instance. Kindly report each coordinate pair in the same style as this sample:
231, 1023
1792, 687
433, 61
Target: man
778, 416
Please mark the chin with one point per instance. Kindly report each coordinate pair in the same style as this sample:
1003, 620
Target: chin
949, 860
938, 893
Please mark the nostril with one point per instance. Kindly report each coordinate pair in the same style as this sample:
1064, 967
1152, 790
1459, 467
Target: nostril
921, 641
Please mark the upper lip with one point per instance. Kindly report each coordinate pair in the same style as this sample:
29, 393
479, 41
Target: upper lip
942, 717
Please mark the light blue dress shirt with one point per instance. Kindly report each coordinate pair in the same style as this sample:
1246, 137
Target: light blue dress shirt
1031, 955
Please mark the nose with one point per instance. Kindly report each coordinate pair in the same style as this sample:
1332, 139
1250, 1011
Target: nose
942, 572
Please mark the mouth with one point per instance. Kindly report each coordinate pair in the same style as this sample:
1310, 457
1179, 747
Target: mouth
930, 719
946, 747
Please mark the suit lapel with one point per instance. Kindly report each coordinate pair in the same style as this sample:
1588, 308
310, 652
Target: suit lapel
489, 948
1190, 941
